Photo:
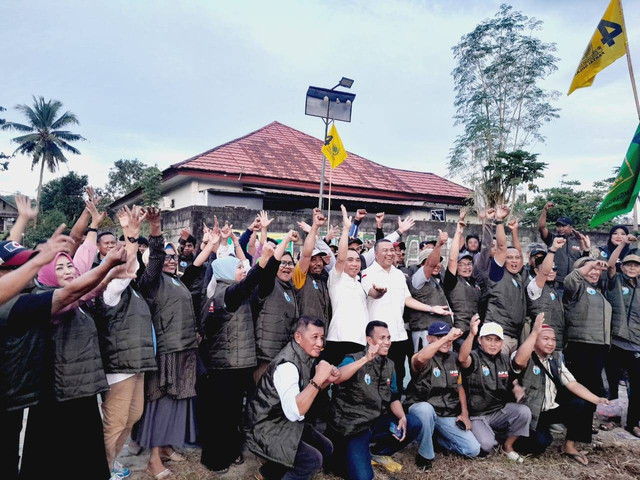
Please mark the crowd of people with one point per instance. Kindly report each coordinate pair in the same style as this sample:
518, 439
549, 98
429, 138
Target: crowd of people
297, 350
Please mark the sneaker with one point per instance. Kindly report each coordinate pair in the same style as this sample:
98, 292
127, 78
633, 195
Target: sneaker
120, 470
387, 462
422, 463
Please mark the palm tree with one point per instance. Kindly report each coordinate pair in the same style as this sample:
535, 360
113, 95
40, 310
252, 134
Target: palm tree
44, 142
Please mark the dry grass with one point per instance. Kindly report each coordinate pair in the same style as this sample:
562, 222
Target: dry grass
614, 456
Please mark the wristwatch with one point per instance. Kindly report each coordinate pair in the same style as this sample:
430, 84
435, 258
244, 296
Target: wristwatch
132, 239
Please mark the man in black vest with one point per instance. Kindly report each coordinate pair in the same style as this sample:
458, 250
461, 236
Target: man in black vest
366, 410
485, 376
552, 394
278, 431
436, 396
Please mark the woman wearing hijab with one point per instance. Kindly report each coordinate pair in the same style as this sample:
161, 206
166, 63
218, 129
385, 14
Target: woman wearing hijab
617, 235
228, 350
168, 419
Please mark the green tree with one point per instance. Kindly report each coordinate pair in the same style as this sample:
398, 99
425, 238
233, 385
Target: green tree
507, 171
151, 183
499, 102
124, 176
64, 194
47, 224
46, 141
3, 165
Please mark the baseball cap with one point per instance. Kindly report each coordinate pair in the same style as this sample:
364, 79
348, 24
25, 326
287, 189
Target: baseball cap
564, 221
438, 328
632, 257
424, 254
536, 249
492, 328
424, 243
354, 240
402, 245
317, 251
12, 254
462, 255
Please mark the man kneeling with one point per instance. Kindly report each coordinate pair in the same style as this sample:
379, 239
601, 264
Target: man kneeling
285, 392
436, 396
552, 394
366, 420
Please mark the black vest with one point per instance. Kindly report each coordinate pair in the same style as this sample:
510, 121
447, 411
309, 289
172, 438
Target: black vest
357, 403
437, 383
173, 317
487, 384
229, 339
432, 294
534, 381
506, 304
125, 333
550, 304
277, 317
271, 434
314, 298
625, 305
566, 256
464, 301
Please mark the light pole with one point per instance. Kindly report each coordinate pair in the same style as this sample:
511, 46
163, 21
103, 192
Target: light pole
330, 105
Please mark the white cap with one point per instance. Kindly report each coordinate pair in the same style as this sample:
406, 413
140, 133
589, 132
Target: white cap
492, 328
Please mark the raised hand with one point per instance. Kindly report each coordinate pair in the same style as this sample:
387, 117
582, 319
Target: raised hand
372, 352
474, 324
267, 251
265, 221
184, 233
323, 371
558, 242
406, 224
25, 210
293, 236
513, 224
462, 215
304, 226
454, 334
491, 213
96, 217
57, 243
116, 256
630, 239
318, 218
379, 219
216, 225
482, 214
548, 206
537, 325
442, 237
346, 219
225, 231
360, 214
256, 224
153, 217
332, 232
502, 212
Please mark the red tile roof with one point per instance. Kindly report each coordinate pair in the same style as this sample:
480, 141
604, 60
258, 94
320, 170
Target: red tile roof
277, 151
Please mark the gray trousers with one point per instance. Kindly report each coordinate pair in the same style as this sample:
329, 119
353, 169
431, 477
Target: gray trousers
512, 418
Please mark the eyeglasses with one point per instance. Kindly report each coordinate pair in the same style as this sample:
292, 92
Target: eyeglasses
554, 268
168, 258
286, 264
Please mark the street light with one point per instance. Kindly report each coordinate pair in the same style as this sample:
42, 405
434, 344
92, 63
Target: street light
330, 105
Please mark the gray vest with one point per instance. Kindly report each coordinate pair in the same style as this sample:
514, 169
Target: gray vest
534, 380
271, 434
437, 384
125, 332
173, 317
431, 293
550, 304
464, 301
506, 304
566, 256
487, 385
587, 313
625, 305
229, 339
314, 298
357, 403
277, 317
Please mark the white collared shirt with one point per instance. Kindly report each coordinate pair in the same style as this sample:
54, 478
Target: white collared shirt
349, 306
390, 307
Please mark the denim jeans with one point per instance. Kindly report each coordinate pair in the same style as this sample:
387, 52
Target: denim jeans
378, 440
448, 434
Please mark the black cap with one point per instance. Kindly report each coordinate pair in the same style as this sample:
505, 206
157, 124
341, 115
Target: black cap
424, 243
354, 240
564, 221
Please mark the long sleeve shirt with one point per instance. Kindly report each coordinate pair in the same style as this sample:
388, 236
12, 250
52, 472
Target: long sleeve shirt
150, 280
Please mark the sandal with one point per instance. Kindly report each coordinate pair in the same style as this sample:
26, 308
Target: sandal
579, 457
635, 431
607, 426
174, 457
163, 474
514, 456
239, 460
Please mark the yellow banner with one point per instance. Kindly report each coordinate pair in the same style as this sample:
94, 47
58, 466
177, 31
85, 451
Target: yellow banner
607, 44
333, 148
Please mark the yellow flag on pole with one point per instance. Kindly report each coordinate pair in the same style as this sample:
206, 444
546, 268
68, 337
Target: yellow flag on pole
333, 148
607, 44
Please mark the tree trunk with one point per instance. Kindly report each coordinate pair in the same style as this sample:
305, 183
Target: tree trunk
39, 189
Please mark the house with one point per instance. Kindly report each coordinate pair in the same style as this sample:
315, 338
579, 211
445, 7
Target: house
278, 168
8, 213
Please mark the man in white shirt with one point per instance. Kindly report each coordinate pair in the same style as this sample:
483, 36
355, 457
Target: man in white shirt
284, 395
388, 294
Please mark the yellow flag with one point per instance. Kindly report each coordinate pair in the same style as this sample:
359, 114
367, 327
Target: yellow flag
333, 148
607, 44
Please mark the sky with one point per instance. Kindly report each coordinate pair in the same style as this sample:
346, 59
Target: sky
162, 81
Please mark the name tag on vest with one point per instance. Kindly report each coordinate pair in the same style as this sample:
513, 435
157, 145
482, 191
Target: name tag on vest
503, 374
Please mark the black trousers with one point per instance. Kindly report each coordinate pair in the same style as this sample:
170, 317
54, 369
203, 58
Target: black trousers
617, 361
399, 352
221, 393
586, 361
576, 414
10, 428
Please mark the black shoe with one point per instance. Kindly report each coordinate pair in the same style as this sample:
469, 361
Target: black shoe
423, 463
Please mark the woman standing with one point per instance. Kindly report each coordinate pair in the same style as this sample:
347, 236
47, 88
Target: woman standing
228, 350
617, 236
168, 419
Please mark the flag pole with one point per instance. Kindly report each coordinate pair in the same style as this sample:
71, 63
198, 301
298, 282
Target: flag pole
329, 207
633, 80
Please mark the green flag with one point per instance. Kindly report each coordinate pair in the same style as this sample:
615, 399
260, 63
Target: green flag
623, 193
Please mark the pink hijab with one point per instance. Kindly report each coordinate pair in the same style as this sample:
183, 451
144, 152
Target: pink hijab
47, 274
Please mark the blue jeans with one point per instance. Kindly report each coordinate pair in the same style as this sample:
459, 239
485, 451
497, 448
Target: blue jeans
377, 440
449, 435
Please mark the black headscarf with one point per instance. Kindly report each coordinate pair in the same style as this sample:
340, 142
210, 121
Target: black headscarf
611, 247
466, 242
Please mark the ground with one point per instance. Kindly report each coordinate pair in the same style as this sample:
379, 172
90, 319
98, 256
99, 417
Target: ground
613, 455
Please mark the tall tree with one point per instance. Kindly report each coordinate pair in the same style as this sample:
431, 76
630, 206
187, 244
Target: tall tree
3, 165
124, 176
64, 194
507, 171
499, 101
45, 141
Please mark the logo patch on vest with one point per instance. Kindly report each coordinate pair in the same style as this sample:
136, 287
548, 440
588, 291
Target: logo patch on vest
485, 371
211, 309
388, 382
515, 284
315, 285
625, 290
604, 254
436, 372
503, 374
175, 282
536, 370
552, 295
591, 291
135, 293
367, 379
575, 247
183, 264
287, 297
